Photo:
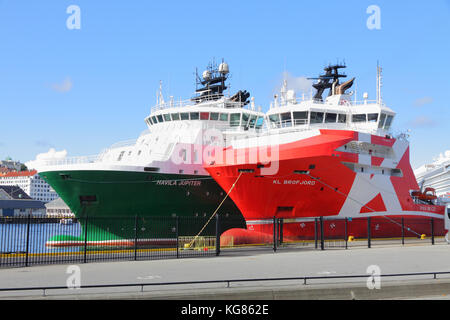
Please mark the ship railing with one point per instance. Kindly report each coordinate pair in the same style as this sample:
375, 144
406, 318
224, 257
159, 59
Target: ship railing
224, 104
122, 144
70, 160
312, 101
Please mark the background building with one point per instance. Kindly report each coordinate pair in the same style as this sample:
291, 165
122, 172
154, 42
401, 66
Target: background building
58, 208
14, 202
31, 183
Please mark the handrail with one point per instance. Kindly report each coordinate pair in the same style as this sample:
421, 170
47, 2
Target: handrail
228, 281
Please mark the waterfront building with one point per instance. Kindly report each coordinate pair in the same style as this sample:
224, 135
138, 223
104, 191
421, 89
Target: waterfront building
14, 202
31, 183
58, 208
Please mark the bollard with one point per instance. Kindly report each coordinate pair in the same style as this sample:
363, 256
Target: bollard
368, 233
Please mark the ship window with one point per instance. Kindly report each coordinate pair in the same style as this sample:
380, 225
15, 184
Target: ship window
316, 117
167, 117
184, 116
154, 120
388, 122
214, 116
259, 123
252, 121
274, 120
245, 117
204, 115
342, 118
120, 156
286, 119
300, 117
359, 117
175, 116
194, 115
160, 118
235, 119
224, 117
382, 118
372, 117
330, 117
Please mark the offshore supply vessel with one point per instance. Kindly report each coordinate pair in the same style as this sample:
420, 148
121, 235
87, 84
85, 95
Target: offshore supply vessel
161, 173
331, 157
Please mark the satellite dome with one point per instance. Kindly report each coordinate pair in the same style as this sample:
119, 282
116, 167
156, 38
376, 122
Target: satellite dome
223, 68
206, 75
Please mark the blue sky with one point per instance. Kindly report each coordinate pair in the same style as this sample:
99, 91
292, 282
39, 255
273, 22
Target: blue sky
85, 89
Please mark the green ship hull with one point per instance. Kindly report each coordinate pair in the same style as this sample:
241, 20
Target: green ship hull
129, 208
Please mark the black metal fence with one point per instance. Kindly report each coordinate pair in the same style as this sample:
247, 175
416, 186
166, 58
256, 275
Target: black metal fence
26, 241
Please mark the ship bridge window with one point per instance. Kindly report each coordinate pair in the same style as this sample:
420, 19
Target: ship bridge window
175, 116
194, 115
245, 117
372, 117
160, 118
154, 120
359, 117
204, 115
274, 120
214, 116
388, 122
167, 117
300, 117
381, 122
235, 119
259, 122
286, 119
252, 121
316, 117
224, 117
342, 118
330, 117
184, 116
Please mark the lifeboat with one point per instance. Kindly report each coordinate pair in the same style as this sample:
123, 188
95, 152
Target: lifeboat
429, 194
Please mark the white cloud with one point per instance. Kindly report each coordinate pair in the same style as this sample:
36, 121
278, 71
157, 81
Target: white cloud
422, 101
298, 84
65, 86
41, 158
422, 122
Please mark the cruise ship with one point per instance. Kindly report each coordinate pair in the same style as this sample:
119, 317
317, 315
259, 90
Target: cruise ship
436, 175
161, 173
331, 157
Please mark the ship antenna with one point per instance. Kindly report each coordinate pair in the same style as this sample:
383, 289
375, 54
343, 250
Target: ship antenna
379, 83
161, 98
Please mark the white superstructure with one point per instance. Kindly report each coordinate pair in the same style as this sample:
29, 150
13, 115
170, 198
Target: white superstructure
179, 133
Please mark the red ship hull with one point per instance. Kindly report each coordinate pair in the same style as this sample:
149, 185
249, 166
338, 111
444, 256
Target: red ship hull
321, 176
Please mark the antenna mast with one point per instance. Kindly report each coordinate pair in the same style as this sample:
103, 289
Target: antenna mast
379, 83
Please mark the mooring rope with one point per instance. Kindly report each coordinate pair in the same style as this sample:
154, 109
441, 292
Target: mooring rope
334, 189
215, 211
